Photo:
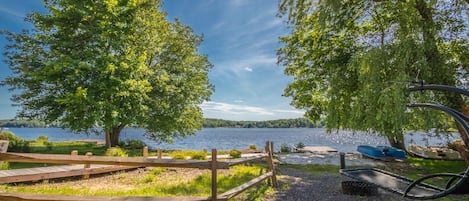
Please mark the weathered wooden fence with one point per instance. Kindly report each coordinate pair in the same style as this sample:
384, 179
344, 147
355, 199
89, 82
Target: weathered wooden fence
213, 164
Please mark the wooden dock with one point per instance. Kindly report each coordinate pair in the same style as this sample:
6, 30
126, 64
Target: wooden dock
52, 172
317, 149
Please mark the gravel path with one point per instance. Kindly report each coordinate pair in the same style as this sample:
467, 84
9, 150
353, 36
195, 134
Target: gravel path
297, 185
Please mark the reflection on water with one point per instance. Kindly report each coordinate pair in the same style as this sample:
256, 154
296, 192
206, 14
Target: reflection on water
240, 138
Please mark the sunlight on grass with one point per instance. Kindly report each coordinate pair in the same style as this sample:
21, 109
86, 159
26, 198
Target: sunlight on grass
66, 147
434, 166
419, 167
155, 182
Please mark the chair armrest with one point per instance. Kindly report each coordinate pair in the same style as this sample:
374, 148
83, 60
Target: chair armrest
437, 195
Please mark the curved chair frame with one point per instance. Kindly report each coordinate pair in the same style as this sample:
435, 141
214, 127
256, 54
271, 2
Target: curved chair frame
460, 118
462, 178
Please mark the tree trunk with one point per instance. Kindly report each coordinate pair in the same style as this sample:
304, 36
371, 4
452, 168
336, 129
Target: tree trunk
112, 136
108, 138
397, 141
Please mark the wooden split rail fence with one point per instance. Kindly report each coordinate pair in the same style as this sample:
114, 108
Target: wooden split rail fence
213, 164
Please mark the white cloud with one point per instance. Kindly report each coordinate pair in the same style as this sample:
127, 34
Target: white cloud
291, 111
239, 112
234, 109
241, 38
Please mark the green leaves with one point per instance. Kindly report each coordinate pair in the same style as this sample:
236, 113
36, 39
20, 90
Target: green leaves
352, 61
109, 64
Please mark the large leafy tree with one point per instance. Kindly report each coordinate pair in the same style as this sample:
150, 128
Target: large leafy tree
352, 60
105, 65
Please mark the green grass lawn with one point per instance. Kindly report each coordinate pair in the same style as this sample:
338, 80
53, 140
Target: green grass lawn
157, 182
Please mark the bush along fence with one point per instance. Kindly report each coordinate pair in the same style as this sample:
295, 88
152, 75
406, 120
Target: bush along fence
213, 164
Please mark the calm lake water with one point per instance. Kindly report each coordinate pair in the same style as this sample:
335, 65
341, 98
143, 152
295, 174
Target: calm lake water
241, 138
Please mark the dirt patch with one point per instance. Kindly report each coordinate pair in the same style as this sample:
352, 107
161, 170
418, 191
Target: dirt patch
121, 181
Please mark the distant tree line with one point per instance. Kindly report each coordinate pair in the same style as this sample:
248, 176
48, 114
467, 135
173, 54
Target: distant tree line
281, 123
208, 123
22, 123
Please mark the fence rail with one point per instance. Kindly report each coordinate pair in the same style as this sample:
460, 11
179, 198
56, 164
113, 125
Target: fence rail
108, 160
212, 164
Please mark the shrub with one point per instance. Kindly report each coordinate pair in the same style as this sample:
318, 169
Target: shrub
116, 151
43, 139
135, 144
285, 148
48, 145
198, 155
15, 143
19, 146
121, 144
252, 146
7, 135
179, 156
300, 145
235, 153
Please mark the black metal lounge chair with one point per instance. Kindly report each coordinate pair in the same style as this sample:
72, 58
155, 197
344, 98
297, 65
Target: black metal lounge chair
416, 189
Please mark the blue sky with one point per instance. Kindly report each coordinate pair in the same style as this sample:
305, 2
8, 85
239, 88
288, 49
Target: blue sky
240, 39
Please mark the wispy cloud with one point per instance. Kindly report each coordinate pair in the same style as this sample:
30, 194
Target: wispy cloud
240, 38
290, 111
243, 28
230, 111
11, 12
239, 66
234, 109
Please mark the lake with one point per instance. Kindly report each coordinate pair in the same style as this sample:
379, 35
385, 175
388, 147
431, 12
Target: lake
241, 138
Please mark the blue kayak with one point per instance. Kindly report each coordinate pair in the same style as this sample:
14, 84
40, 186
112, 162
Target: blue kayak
381, 152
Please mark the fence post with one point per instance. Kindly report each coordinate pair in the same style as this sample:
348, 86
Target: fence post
3, 149
342, 160
145, 152
159, 153
269, 182
270, 161
74, 153
214, 174
87, 166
